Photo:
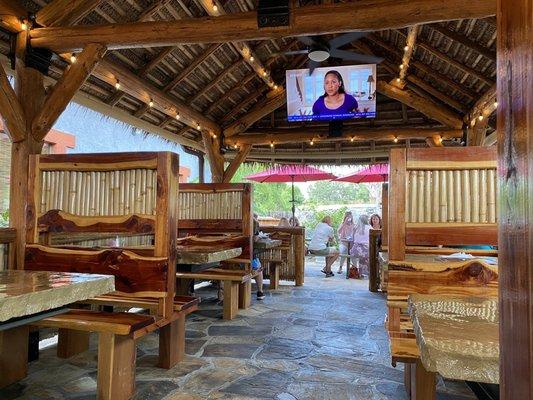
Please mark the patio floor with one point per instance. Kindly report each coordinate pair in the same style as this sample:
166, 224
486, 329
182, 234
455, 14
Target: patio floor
324, 340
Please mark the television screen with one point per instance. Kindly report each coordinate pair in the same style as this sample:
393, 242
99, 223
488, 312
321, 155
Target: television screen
331, 93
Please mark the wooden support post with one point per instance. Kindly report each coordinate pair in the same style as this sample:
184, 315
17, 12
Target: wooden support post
299, 259
13, 355
236, 162
407, 370
116, 367
273, 272
423, 383
71, 342
245, 294
515, 184
172, 343
396, 212
231, 299
394, 319
216, 161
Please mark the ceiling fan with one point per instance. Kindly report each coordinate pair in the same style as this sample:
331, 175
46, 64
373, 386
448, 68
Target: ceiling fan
319, 50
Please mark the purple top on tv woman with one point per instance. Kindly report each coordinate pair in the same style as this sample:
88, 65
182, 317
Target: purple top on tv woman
335, 100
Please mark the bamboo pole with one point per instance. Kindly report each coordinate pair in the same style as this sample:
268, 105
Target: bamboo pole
474, 182
435, 196
491, 183
66, 191
427, 196
443, 205
413, 203
143, 191
450, 196
483, 196
458, 199
466, 196
420, 195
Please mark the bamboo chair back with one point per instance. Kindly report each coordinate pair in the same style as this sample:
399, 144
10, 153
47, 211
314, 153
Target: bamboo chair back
292, 251
101, 195
221, 209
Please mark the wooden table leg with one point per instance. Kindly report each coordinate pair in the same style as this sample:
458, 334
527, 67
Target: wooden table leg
116, 367
71, 342
273, 270
245, 294
407, 378
423, 383
172, 343
13, 355
183, 286
231, 299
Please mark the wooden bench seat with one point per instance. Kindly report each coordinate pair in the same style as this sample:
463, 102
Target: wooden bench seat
181, 303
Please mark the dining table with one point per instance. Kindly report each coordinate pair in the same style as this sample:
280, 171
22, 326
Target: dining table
266, 243
29, 296
458, 336
199, 258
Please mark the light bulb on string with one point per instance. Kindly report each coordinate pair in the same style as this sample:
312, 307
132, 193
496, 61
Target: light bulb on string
406, 48
117, 84
151, 103
272, 145
73, 58
395, 140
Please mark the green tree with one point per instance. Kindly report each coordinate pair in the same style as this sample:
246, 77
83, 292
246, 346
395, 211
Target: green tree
328, 192
268, 197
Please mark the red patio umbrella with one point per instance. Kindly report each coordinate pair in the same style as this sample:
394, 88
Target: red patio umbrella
291, 173
372, 173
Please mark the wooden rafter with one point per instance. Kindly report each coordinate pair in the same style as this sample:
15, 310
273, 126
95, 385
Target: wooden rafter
477, 119
408, 53
276, 99
215, 9
240, 106
426, 69
65, 88
65, 12
221, 76
263, 137
457, 37
11, 15
236, 162
452, 61
11, 110
369, 15
431, 109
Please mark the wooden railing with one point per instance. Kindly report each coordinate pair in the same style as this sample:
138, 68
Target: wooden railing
7, 249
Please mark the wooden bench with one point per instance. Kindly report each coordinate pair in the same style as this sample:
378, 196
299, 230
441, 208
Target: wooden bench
121, 194
437, 197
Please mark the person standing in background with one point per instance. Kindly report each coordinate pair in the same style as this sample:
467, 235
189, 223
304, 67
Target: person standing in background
345, 233
359, 251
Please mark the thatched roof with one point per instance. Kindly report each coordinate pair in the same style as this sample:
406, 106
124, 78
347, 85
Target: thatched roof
453, 65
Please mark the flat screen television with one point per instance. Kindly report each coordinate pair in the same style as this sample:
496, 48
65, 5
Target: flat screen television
331, 93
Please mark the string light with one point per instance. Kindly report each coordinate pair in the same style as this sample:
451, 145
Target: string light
480, 117
312, 142
178, 116
398, 80
401, 66
214, 136
73, 58
473, 122
117, 84
215, 8
265, 73
272, 145
406, 48
151, 103
395, 140
352, 139
440, 139
495, 104
23, 25
252, 58
275, 87
236, 146
198, 127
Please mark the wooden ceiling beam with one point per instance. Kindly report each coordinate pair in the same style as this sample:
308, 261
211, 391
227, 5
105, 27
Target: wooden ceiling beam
326, 156
457, 37
147, 14
215, 9
65, 12
134, 86
65, 89
452, 61
11, 110
407, 54
484, 107
426, 107
234, 165
273, 101
150, 65
11, 15
368, 15
435, 93
349, 133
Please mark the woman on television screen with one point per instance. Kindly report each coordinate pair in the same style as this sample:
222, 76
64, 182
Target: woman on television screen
335, 100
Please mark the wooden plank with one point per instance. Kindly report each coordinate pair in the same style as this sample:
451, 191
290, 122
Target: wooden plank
217, 274
397, 193
65, 88
236, 162
515, 184
231, 299
172, 343
449, 234
13, 355
412, 33
245, 294
71, 342
465, 41
485, 156
98, 161
367, 16
55, 221
11, 15
145, 276
423, 383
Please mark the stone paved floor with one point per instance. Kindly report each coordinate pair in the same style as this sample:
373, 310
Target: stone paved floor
324, 340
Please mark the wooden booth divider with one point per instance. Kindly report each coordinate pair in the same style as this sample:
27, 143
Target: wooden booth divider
94, 195
219, 215
437, 197
290, 255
